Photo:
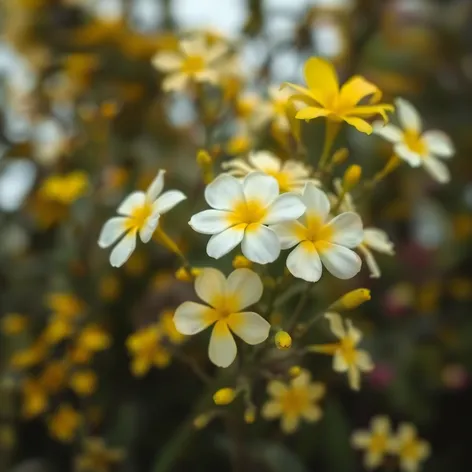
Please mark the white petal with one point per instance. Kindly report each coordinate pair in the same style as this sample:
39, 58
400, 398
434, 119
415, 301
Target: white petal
131, 202
211, 221
222, 349
286, 207
312, 413
404, 152
437, 169
276, 388
123, 250
193, 46
439, 143
246, 285
408, 116
373, 459
112, 230
304, 262
339, 362
146, 232
169, 200
289, 423
381, 425
238, 167
288, 233
224, 192
222, 243
340, 261
260, 244
207, 75
260, 187
354, 377
389, 132
360, 439
364, 361
271, 410
249, 326
378, 240
336, 324
176, 82
374, 268
347, 229
209, 284
265, 161
191, 318
155, 189
316, 201
167, 61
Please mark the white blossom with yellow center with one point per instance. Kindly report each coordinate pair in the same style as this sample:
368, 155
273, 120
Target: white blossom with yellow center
274, 110
290, 175
139, 213
346, 356
415, 147
411, 450
321, 242
376, 443
196, 61
241, 211
226, 297
294, 401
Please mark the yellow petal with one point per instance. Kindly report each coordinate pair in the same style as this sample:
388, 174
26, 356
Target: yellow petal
309, 113
358, 123
357, 88
304, 95
322, 80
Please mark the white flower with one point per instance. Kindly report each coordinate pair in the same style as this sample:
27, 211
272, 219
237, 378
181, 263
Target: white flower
290, 175
241, 212
227, 298
319, 242
196, 61
139, 212
414, 146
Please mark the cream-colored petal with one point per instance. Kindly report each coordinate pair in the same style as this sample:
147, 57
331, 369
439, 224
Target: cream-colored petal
167, 61
211, 221
261, 188
339, 362
265, 161
347, 229
276, 388
260, 244
224, 192
288, 233
156, 187
336, 324
169, 200
131, 202
378, 240
146, 232
210, 284
112, 230
352, 332
360, 439
175, 82
405, 153
192, 318
408, 115
439, 143
341, 262
286, 207
304, 262
289, 423
123, 250
316, 201
271, 410
374, 268
316, 390
364, 361
224, 242
437, 169
249, 326
372, 460
246, 286
312, 413
381, 425
354, 377
389, 132
222, 349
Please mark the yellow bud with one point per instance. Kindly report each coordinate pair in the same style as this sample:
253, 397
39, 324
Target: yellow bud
202, 420
352, 299
340, 156
250, 414
224, 396
294, 371
183, 275
283, 340
351, 177
203, 158
195, 271
240, 262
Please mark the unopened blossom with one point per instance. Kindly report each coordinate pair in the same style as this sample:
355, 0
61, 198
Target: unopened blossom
294, 401
64, 423
376, 443
139, 213
416, 147
325, 98
291, 175
319, 241
411, 449
196, 61
226, 299
241, 212
346, 356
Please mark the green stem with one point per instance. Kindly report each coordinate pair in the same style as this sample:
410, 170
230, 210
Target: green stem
299, 308
332, 130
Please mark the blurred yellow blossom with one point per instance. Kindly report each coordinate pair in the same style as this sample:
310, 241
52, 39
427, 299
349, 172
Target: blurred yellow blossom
93, 338
96, 457
63, 424
65, 189
65, 305
35, 398
411, 450
84, 382
13, 323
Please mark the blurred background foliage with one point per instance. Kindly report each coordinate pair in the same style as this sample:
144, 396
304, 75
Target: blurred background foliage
84, 121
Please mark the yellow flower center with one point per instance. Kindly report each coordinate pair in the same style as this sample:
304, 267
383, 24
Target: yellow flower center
316, 231
280, 107
295, 401
378, 443
139, 217
415, 142
225, 305
283, 178
247, 213
410, 450
348, 350
193, 64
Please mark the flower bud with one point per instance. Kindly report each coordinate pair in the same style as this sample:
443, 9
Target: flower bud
351, 177
224, 396
283, 340
183, 275
340, 156
294, 371
250, 414
241, 262
202, 420
352, 299
203, 158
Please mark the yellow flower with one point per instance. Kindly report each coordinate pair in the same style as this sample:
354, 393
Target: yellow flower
64, 423
146, 350
96, 457
167, 327
13, 323
65, 305
283, 340
84, 382
57, 330
377, 442
294, 401
65, 189
410, 449
35, 398
54, 376
196, 61
346, 356
29, 357
324, 97
92, 338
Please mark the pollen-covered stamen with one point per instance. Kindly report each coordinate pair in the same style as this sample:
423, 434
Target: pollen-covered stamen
139, 217
250, 212
315, 231
415, 142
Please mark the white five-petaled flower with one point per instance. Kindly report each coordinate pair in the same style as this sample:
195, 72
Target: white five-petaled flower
227, 298
414, 146
196, 61
291, 175
241, 211
274, 110
139, 213
320, 242
346, 356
